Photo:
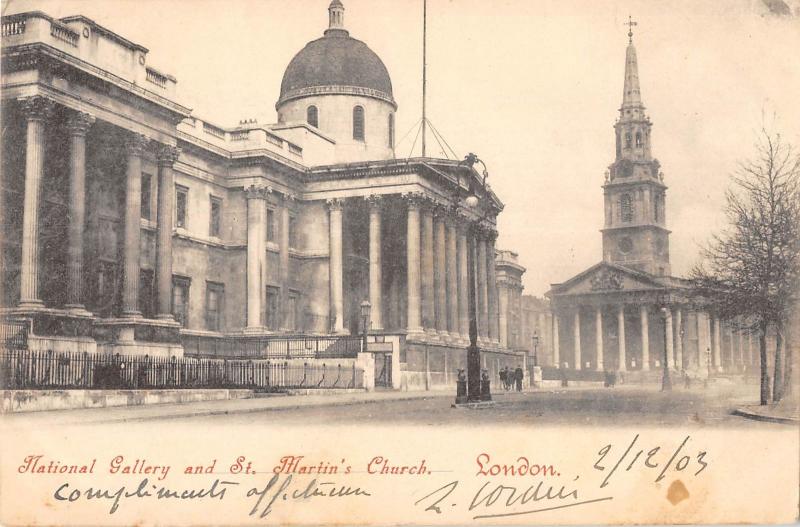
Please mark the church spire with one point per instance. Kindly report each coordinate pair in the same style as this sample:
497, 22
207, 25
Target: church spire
631, 95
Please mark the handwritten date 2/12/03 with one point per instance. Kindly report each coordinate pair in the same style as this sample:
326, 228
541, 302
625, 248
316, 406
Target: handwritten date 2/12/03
652, 457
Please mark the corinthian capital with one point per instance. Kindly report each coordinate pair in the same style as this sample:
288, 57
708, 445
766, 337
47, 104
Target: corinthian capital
78, 123
37, 108
257, 191
335, 204
136, 144
167, 155
414, 200
374, 202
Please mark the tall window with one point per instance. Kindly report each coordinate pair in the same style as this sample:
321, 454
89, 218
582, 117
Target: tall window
312, 116
293, 231
216, 213
272, 318
391, 130
180, 300
628, 140
181, 198
146, 194
626, 208
638, 139
215, 294
358, 123
270, 225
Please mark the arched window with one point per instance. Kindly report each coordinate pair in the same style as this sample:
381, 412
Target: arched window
626, 208
627, 140
638, 139
391, 130
358, 123
312, 116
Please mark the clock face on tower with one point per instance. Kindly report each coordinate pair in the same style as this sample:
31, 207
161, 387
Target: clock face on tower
625, 245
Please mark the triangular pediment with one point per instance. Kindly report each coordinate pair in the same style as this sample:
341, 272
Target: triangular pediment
606, 277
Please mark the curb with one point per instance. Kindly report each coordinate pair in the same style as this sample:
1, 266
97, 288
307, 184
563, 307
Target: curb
765, 418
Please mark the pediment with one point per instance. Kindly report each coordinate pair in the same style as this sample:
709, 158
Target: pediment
607, 278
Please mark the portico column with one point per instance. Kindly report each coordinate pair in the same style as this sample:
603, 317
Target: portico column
135, 148
679, 339
452, 278
284, 261
576, 330
375, 203
428, 296
504, 293
463, 280
644, 318
621, 339
439, 278
491, 282
37, 110
668, 337
335, 206
556, 346
78, 125
256, 196
716, 344
413, 263
167, 155
598, 336
483, 308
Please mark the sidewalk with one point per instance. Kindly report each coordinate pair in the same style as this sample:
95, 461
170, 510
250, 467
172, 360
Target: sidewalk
785, 412
222, 407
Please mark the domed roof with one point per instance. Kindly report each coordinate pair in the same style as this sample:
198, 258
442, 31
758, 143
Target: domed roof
336, 63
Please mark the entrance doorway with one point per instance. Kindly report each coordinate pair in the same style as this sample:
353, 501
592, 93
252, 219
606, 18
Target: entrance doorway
383, 370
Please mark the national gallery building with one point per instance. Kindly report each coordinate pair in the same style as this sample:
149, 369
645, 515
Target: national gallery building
131, 226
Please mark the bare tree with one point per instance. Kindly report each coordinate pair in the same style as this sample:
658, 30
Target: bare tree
751, 269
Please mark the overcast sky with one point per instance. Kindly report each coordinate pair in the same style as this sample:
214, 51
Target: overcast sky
532, 87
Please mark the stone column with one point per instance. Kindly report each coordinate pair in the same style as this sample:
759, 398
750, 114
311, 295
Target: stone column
440, 269
336, 269
256, 196
481, 297
452, 278
598, 335
504, 294
463, 280
716, 344
621, 337
36, 110
679, 339
428, 296
644, 316
556, 350
375, 203
135, 147
167, 155
668, 338
491, 283
284, 260
576, 331
413, 263
703, 341
78, 124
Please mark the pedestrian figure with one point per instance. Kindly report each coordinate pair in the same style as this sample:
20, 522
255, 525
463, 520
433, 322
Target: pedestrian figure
518, 376
503, 378
687, 381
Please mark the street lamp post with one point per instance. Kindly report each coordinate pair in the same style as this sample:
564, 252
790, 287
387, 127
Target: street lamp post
663, 302
366, 307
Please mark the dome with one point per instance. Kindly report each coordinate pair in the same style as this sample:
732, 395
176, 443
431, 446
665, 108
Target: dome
336, 64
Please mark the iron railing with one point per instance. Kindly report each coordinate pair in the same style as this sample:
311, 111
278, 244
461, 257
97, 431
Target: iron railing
13, 334
271, 347
21, 369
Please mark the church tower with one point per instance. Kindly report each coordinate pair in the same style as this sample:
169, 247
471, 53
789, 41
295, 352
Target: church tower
635, 233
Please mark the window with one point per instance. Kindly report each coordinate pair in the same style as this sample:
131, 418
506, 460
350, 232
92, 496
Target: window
146, 196
272, 318
638, 139
270, 225
146, 293
293, 231
215, 293
180, 300
181, 198
626, 208
627, 140
358, 123
216, 212
312, 116
391, 130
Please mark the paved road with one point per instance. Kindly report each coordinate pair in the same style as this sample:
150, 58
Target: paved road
591, 407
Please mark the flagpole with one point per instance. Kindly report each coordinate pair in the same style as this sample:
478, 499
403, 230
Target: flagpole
424, 70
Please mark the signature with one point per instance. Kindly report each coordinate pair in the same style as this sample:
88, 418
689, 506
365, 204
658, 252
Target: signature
277, 490
494, 500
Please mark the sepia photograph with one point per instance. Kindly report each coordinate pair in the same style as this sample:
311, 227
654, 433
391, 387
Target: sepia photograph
410, 262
